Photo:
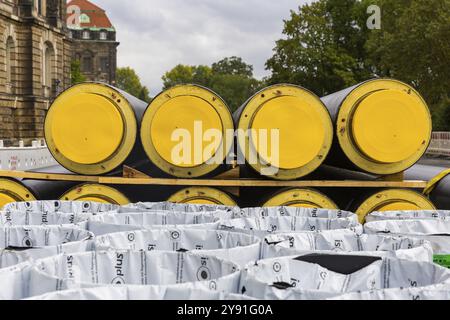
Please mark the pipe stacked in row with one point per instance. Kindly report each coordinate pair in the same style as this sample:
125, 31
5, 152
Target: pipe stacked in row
380, 127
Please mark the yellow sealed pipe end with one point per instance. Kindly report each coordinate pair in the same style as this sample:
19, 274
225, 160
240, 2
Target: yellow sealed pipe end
304, 126
384, 126
96, 193
184, 127
394, 200
90, 128
202, 195
12, 191
303, 198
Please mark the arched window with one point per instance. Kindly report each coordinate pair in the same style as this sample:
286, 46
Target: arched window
86, 35
48, 66
103, 35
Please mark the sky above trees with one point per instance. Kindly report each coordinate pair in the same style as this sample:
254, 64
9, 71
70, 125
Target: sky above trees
157, 35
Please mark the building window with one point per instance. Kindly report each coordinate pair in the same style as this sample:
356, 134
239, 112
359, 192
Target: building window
104, 64
84, 18
103, 35
48, 65
86, 35
87, 65
41, 7
9, 60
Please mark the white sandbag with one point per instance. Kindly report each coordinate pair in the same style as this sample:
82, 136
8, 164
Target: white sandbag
440, 292
303, 278
181, 207
28, 218
157, 268
297, 212
134, 293
437, 231
156, 218
14, 281
27, 243
408, 215
332, 242
61, 206
236, 247
261, 227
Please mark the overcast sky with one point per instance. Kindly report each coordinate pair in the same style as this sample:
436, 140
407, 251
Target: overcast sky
156, 35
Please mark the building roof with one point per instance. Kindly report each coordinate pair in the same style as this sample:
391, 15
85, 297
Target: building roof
91, 16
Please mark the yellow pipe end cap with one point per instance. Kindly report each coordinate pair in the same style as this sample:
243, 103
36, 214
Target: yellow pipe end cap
202, 195
191, 114
390, 126
12, 191
96, 193
87, 128
301, 130
301, 198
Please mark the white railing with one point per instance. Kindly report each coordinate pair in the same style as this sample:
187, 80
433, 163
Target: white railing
440, 144
26, 158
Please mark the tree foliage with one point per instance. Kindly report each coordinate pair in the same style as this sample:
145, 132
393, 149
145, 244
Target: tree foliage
231, 78
328, 47
75, 72
128, 80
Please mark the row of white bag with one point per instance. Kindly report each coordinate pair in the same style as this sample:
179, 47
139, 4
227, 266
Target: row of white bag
176, 275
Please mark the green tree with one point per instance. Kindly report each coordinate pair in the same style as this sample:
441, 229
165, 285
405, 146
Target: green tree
323, 48
231, 78
75, 72
413, 46
128, 80
233, 66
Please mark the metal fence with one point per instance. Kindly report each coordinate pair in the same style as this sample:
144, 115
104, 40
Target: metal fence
440, 144
24, 158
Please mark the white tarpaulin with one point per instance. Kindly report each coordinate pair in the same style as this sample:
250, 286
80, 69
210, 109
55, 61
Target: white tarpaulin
407, 215
235, 247
61, 206
435, 231
278, 245
102, 268
298, 278
264, 226
439, 292
23, 243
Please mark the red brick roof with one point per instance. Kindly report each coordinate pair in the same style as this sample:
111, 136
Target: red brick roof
98, 17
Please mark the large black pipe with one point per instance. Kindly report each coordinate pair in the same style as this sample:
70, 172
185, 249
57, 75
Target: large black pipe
382, 127
93, 129
440, 195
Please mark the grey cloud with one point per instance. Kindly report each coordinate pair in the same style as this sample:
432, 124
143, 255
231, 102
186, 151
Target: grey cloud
156, 35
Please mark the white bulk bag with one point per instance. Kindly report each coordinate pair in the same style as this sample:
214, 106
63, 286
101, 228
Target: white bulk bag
134, 293
435, 231
156, 268
61, 206
407, 215
157, 218
278, 245
14, 281
23, 243
29, 218
311, 277
264, 226
181, 207
440, 292
236, 247
297, 212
